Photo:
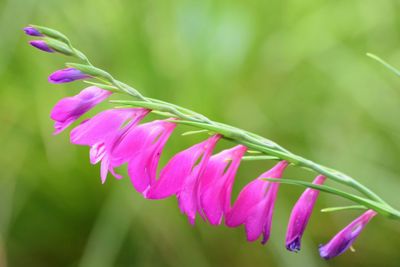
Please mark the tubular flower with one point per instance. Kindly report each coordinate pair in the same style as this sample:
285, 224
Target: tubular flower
41, 45
301, 214
67, 75
69, 109
99, 130
181, 176
255, 204
146, 143
32, 31
345, 238
173, 176
216, 183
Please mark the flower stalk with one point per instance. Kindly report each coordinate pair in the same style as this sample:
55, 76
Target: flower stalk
180, 115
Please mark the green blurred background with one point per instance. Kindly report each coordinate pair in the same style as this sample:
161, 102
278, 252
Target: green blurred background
293, 71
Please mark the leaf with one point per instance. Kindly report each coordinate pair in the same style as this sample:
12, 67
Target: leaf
384, 210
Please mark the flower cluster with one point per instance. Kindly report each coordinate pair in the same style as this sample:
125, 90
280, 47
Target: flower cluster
200, 179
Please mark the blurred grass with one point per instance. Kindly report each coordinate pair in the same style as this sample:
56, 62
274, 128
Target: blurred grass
294, 71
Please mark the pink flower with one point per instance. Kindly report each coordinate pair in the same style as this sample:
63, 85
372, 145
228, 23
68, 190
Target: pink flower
176, 172
301, 214
101, 131
69, 109
216, 183
144, 144
255, 204
181, 176
343, 240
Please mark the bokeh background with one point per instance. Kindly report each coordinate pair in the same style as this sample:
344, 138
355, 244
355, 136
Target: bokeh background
293, 71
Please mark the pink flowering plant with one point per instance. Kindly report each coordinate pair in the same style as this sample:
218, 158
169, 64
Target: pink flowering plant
200, 177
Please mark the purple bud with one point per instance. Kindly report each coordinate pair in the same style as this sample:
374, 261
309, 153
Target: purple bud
42, 45
32, 31
300, 215
345, 238
67, 75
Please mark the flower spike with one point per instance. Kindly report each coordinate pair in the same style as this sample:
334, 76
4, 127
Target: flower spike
345, 238
300, 215
147, 143
255, 204
69, 109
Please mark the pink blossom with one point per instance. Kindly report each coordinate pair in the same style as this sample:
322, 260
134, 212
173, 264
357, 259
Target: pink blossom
144, 144
101, 131
255, 204
69, 109
216, 183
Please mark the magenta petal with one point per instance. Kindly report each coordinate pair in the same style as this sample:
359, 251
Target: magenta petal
301, 214
255, 203
216, 183
142, 167
188, 195
103, 132
345, 238
103, 124
69, 109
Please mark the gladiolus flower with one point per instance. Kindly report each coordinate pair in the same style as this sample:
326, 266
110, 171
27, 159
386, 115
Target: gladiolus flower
32, 31
345, 238
42, 45
255, 204
69, 109
173, 176
99, 130
216, 183
301, 214
181, 176
67, 75
142, 148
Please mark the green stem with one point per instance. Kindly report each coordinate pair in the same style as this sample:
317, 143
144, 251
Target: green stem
270, 149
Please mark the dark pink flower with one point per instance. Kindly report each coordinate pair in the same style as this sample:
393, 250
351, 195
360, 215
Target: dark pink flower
42, 45
301, 214
69, 109
255, 204
67, 75
215, 186
345, 238
101, 132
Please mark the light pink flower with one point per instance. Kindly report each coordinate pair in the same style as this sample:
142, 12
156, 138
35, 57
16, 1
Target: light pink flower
102, 132
216, 183
255, 204
300, 215
69, 109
